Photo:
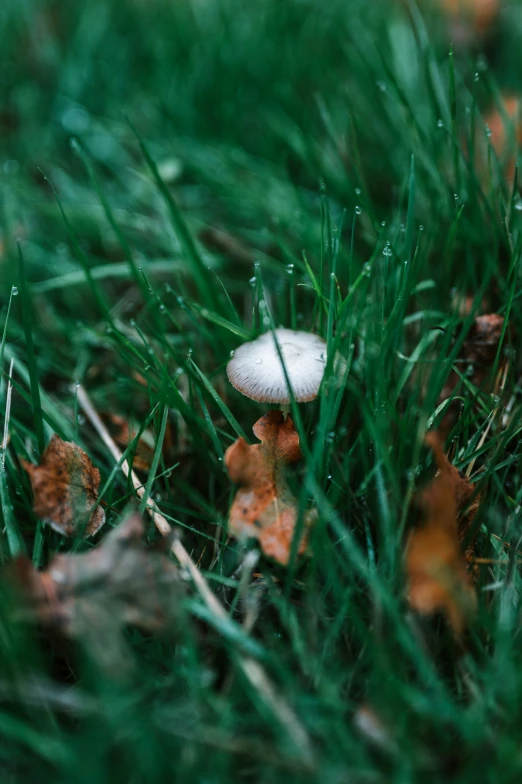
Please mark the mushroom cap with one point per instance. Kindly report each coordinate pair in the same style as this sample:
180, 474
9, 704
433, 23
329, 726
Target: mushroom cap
257, 372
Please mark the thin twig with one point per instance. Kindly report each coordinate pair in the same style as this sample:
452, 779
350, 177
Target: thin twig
251, 668
5, 439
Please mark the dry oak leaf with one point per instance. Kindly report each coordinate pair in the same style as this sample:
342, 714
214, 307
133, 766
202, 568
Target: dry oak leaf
264, 507
438, 577
65, 489
92, 596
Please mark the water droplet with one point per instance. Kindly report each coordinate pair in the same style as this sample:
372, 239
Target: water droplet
266, 321
163, 309
358, 210
358, 191
204, 312
383, 224
140, 269
476, 77
332, 275
11, 167
252, 281
456, 196
367, 269
180, 301
232, 353
518, 204
440, 124
259, 361
77, 384
290, 268
257, 263
381, 86
421, 228
14, 291
387, 251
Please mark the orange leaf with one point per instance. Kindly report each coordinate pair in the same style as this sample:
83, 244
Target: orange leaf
478, 14
438, 579
65, 488
264, 507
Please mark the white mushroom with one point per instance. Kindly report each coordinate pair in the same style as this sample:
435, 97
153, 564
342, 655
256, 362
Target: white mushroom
257, 372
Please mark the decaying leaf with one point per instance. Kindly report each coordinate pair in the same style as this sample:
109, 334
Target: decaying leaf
92, 596
264, 507
505, 135
438, 577
123, 435
65, 488
470, 17
476, 358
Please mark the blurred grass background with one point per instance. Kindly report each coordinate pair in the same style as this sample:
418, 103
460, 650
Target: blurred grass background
325, 166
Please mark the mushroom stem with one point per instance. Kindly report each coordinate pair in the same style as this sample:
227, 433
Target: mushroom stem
285, 408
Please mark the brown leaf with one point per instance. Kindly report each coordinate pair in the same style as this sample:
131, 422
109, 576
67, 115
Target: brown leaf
65, 488
506, 135
264, 507
92, 596
470, 17
438, 578
123, 435
478, 351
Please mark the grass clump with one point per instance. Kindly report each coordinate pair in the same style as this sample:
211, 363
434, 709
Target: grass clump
177, 179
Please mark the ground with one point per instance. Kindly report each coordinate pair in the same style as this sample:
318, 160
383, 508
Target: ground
178, 177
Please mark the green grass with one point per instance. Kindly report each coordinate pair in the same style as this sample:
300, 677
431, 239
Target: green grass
327, 140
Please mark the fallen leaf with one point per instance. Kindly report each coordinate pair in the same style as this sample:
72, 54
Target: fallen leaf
264, 507
476, 358
123, 435
92, 596
65, 488
469, 17
505, 135
438, 577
